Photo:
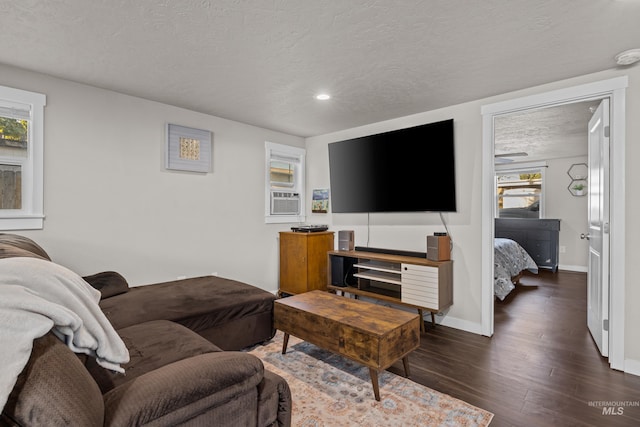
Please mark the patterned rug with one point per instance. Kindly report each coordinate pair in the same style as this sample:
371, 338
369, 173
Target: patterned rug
330, 390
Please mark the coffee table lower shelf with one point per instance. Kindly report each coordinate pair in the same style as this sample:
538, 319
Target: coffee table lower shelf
366, 333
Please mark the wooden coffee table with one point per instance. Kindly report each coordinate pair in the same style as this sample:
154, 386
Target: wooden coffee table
367, 333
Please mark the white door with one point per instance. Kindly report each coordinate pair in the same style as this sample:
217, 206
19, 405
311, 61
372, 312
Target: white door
598, 235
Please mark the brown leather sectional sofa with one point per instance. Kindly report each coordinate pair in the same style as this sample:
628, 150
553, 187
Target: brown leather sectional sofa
184, 367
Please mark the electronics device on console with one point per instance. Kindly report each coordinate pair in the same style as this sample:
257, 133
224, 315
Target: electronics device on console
391, 251
439, 247
342, 271
310, 228
346, 240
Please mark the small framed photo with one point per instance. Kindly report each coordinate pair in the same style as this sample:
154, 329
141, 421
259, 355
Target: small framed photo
320, 201
188, 149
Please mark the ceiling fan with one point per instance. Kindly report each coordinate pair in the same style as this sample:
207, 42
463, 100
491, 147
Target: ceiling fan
506, 157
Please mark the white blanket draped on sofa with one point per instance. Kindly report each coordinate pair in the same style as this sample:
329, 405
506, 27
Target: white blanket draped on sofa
37, 296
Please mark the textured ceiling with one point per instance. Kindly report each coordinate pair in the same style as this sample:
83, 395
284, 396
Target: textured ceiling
261, 61
547, 133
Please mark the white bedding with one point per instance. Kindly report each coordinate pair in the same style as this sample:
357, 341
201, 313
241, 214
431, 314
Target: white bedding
510, 259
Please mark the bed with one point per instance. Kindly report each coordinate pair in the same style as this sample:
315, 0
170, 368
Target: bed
510, 261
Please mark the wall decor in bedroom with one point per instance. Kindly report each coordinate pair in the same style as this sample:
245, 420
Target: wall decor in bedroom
188, 149
578, 173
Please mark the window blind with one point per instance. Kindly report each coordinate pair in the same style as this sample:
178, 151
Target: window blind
15, 110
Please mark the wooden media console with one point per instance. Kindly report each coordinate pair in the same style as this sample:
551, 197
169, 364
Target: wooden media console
405, 280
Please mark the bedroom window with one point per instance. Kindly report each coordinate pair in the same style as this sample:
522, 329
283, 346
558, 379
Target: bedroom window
21, 159
520, 192
284, 178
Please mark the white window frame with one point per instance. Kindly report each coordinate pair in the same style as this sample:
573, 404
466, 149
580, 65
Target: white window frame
31, 214
519, 168
272, 152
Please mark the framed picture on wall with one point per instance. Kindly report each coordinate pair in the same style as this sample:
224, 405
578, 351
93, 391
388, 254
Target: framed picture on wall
320, 201
188, 149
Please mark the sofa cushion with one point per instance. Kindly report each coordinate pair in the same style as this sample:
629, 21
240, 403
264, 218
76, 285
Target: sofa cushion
151, 345
109, 283
54, 389
199, 303
210, 389
13, 245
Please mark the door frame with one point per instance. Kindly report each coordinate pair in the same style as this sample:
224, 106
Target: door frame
614, 89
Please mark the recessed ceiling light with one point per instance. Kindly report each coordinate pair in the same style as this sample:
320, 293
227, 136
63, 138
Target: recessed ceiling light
628, 57
323, 96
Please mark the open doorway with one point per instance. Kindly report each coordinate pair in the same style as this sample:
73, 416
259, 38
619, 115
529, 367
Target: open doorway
541, 167
615, 90
541, 158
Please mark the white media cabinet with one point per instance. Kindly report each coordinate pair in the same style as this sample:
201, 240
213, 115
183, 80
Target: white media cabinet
405, 280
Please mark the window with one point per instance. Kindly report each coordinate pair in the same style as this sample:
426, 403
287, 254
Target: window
282, 173
21, 159
284, 189
519, 191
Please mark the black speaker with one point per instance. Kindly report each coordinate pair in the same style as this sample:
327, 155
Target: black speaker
342, 271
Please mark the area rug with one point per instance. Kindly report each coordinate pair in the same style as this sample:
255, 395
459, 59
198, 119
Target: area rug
330, 390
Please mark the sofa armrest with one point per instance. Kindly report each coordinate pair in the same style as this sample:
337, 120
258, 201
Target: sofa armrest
178, 391
109, 283
274, 401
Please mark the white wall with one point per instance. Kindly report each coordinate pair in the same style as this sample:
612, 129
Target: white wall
110, 205
571, 210
409, 231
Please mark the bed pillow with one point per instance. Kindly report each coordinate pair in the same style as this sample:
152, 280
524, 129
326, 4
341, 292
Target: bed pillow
109, 283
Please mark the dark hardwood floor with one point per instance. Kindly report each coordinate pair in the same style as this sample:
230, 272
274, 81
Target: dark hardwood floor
541, 367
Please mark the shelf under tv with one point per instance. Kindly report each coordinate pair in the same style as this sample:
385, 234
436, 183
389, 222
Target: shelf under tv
379, 276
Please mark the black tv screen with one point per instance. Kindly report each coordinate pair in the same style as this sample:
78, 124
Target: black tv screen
405, 170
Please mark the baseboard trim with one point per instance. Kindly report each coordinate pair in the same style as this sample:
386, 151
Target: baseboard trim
464, 325
632, 367
576, 268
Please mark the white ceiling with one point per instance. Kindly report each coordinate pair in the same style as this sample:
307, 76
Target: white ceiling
543, 134
261, 61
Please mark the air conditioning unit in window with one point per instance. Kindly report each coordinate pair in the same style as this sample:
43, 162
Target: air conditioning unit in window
285, 203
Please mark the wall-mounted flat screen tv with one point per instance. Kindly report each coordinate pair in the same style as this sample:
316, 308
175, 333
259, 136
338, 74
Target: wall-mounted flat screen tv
405, 170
